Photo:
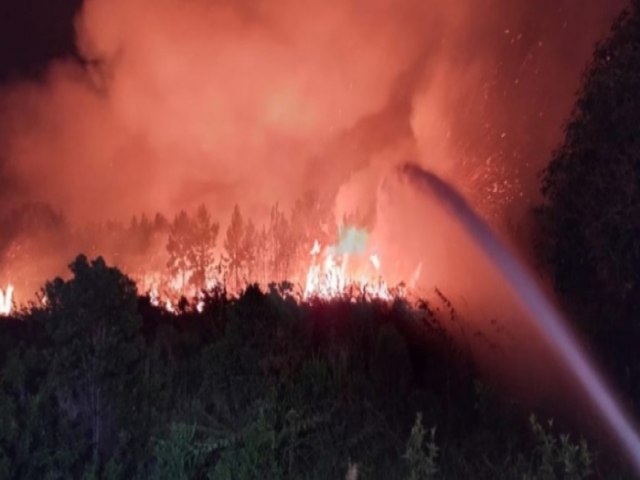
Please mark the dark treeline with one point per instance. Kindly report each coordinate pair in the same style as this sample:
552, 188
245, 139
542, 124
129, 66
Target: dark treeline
101, 384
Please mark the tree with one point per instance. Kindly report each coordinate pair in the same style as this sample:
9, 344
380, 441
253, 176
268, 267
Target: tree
263, 250
160, 223
590, 217
233, 244
191, 248
179, 248
281, 243
250, 247
311, 219
95, 327
201, 247
137, 239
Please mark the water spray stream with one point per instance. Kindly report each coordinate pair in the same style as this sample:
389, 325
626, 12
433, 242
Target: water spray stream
536, 304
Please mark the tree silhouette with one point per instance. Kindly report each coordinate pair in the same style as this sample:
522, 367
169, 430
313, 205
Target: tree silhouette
311, 219
179, 248
201, 248
281, 244
233, 244
191, 248
263, 249
250, 250
591, 213
94, 324
160, 223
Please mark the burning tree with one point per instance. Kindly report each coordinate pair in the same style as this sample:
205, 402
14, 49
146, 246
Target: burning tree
311, 220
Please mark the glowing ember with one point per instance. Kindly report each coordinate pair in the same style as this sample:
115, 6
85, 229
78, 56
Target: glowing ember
6, 301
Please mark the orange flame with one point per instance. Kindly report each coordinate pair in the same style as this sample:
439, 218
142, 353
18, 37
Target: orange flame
332, 276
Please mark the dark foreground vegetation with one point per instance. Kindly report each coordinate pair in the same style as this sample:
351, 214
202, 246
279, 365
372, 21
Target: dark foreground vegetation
590, 218
101, 384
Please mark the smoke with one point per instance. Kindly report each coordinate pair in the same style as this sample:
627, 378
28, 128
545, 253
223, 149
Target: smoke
221, 102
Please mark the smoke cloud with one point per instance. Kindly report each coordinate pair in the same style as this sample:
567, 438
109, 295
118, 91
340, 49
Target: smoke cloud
221, 102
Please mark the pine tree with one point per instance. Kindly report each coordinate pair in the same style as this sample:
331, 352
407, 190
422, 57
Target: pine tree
201, 249
312, 220
281, 244
233, 244
250, 247
179, 248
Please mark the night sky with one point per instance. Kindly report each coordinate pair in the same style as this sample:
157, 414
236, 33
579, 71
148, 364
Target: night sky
32, 33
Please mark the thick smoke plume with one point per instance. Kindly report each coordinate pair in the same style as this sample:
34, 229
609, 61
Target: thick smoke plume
223, 102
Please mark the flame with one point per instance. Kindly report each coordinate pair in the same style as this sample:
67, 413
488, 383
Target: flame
6, 300
154, 297
316, 248
347, 269
200, 305
332, 276
168, 306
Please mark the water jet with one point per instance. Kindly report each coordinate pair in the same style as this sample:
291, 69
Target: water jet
536, 304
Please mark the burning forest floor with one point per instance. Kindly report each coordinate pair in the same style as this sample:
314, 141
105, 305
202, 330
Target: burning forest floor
100, 382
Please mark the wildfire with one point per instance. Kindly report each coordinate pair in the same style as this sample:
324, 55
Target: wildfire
346, 269
6, 300
331, 276
350, 267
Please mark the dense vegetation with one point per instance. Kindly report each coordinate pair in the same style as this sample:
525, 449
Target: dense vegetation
101, 384
591, 213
